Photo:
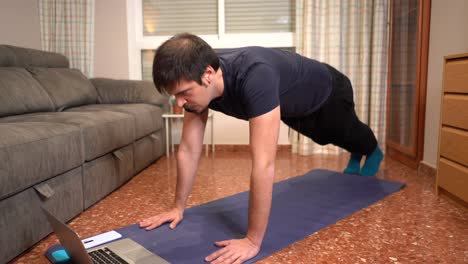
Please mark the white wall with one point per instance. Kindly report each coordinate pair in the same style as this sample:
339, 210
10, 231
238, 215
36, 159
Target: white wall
448, 35
110, 37
20, 26
19, 23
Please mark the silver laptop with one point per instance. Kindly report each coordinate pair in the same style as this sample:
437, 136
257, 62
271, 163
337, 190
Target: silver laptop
124, 251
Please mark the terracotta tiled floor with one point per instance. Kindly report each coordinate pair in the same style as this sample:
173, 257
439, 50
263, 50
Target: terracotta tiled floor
410, 226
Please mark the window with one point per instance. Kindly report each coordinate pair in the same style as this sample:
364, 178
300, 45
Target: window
259, 16
168, 17
221, 23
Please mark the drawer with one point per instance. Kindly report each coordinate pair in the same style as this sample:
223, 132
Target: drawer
455, 111
21, 216
456, 76
147, 150
453, 178
454, 145
105, 174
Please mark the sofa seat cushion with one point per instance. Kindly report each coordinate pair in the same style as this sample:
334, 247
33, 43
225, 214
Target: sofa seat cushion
66, 87
20, 93
32, 152
147, 117
102, 131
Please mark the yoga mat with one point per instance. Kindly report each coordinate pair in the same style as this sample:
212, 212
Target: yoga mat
301, 206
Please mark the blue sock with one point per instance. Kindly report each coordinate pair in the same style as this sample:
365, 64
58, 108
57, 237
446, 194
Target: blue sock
354, 164
371, 166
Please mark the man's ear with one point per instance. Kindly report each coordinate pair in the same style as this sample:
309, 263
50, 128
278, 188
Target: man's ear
209, 74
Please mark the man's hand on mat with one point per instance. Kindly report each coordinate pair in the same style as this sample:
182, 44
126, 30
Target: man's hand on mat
234, 251
174, 216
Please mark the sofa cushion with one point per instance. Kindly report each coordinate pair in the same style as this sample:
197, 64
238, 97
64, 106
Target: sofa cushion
102, 131
128, 92
24, 57
66, 87
20, 93
147, 117
31, 152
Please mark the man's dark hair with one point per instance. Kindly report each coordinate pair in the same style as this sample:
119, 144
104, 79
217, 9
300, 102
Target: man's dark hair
184, 56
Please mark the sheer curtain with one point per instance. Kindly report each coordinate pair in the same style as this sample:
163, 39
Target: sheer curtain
350, 35
67, 27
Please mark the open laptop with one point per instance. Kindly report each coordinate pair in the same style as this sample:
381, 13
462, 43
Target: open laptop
123, 251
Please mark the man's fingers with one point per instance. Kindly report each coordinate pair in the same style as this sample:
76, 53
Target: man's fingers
174, 223
152, 226
222, 243
234, 251
174, 216
239, 260
148, 221
151, 223
227, 258
216, 254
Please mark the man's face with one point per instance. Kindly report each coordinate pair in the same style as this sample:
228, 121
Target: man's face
192, 96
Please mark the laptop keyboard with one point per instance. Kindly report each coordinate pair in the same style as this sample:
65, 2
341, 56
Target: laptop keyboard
105, 256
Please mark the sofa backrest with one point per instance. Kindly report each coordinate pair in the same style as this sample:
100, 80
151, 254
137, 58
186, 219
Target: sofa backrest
7, 57
65, 87
11, 56
20, 93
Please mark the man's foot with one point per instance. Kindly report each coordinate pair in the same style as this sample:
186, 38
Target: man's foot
354, 164
372, 164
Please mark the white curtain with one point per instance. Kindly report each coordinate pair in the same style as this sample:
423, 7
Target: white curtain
350, 35
67, 27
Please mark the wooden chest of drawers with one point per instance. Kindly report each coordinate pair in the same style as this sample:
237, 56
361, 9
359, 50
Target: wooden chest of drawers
452, 167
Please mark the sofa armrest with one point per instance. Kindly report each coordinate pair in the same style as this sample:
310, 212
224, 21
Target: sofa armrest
128, 92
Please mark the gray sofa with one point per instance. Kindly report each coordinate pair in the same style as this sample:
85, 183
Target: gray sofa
66, 141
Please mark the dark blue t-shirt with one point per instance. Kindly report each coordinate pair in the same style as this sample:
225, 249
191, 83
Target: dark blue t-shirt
256, 80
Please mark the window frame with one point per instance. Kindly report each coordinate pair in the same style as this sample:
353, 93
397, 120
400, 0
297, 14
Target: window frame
138, 42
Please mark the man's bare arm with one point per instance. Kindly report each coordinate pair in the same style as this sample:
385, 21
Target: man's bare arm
188, 155
264, 132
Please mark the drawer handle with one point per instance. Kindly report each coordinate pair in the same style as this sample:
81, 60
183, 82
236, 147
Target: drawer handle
154, 137
44, 190
119, 155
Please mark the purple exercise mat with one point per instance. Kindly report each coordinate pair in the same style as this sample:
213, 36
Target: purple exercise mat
301, 206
